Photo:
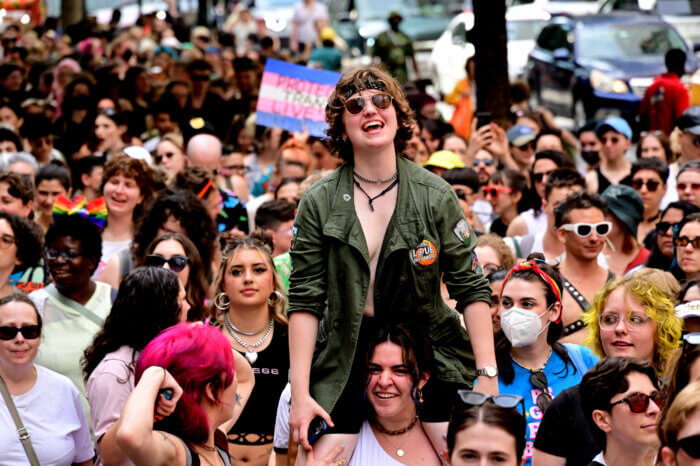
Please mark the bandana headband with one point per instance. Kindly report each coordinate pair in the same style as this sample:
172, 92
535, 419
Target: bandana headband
369, 83
531, 265
95, 211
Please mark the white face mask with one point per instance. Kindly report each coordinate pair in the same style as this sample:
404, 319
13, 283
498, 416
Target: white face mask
522, 327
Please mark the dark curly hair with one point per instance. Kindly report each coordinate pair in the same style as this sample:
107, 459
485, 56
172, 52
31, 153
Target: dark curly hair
145, 291
370, 77
28, 239
185, 208
80, 229
197, 283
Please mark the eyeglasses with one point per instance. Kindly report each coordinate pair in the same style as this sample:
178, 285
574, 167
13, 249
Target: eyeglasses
462, 194
380, 101
199, 77
30, 332
584, 230
6, 241
53, 255
490, 268
683, 241
540, 176
524, 147
662, 227
539, 380
633, 322
176, 263
690, 445
639, 402
235, 168
494, 191
159, 158
652, 185
485, 162
684, 186
612, 140
472, 398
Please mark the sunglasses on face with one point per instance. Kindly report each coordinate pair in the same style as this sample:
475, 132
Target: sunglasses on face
6, 241
633, 322
662, 227
53, 255
684, 186
380, 101
176, 263
683, 241
639, 402
524, 147
159, 158
462, 194
538, 379
199, 77
472, 398
539, 177
612, 140
690, 445
494, 191
29, 332
484, 162
652, 185
584, 230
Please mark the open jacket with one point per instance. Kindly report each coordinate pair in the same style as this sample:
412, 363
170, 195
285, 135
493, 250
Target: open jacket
427, 238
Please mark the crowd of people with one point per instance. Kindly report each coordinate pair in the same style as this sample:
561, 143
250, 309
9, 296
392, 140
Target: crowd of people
179, 285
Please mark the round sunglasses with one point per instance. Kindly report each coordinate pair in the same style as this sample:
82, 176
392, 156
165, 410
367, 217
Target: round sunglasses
176, 263
639, 402
30, 332
584, 230
380, 101
472, 398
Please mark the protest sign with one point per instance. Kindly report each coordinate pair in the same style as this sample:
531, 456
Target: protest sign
294, 97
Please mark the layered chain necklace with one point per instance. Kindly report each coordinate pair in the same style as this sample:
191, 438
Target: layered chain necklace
399, 450
393, 178
250, 354
208, 448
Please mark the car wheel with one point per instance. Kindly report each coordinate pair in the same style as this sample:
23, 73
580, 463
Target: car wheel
580, 115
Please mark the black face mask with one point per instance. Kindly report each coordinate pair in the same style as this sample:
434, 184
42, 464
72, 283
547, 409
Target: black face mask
591, 157
81, 101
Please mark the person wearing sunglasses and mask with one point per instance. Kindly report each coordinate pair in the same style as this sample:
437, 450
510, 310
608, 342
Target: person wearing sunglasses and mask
531, 363
621, 402
48, 403
687, 243
343, 274
649, 180
632, 316
680, 429
615, 137
662, 250
504, 192
485, 428
582, 229
625, 211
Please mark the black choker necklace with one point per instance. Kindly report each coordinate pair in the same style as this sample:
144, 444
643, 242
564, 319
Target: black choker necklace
372, 199
367, 180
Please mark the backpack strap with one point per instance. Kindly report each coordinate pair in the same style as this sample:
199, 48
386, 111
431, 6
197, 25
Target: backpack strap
76, 306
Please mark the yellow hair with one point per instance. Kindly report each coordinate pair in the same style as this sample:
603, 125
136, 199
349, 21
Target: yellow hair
659, 306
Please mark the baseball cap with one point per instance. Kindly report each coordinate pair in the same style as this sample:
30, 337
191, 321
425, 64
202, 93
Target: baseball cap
444, 159
327, 33
625, 204
519, 135
690, 120
617, 124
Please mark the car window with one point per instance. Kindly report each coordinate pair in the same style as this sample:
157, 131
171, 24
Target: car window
554, 37
629, 40
678, 7
524, 29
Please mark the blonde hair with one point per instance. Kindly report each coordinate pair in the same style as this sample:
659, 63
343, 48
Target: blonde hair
659, 306
257, 241
686, 403
175, 139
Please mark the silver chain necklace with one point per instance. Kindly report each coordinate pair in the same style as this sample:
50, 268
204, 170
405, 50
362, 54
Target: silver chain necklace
536, 369
367, 180
250, 355
237, 330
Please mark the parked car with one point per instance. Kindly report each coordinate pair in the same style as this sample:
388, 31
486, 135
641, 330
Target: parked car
523, 24
571, 7
684, 15
592, 66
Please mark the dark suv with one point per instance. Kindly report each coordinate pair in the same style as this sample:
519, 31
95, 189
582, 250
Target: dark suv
591, 66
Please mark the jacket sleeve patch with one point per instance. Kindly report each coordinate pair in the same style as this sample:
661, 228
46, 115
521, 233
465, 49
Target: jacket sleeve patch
462, 231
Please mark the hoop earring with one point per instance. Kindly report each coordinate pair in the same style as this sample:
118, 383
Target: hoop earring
274, 298
219, 304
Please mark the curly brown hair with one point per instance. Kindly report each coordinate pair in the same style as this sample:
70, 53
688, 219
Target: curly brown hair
370, 77
139, 170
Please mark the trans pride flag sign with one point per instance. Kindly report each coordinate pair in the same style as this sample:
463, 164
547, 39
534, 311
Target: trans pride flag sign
294, 97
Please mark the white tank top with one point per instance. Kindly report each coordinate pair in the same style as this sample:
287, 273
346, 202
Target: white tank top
368, 451
535, 223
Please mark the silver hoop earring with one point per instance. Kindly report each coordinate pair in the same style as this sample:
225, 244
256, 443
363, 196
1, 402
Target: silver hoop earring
274, 298
220, 304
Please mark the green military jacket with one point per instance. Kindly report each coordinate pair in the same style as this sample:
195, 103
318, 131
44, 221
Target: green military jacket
427, 238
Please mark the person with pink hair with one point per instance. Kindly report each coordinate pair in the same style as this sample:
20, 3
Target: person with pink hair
186, 382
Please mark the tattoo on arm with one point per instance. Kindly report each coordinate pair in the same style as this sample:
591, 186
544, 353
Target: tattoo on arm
239, 397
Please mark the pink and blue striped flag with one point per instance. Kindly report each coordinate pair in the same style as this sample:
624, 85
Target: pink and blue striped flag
294, 97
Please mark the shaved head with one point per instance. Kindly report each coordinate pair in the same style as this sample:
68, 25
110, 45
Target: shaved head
204, 150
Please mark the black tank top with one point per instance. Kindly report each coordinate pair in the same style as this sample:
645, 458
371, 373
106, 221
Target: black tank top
271, 371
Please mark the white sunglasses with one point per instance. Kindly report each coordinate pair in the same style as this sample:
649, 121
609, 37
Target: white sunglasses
584, 230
